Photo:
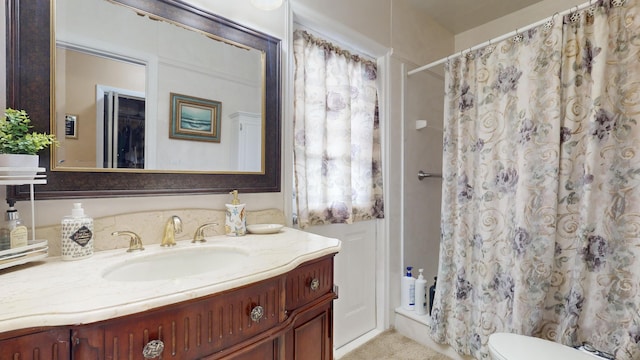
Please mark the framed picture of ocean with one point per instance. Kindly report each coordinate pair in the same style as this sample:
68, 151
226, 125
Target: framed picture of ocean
194, 118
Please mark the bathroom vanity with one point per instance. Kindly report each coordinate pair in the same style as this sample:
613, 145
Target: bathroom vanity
277, 305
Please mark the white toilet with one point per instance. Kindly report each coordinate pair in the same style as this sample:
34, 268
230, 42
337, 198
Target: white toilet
504, 346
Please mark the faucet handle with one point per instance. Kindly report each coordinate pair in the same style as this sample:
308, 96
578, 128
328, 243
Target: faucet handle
135, 243
198, 237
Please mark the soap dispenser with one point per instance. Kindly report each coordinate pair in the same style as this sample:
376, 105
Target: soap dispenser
77, 234
235, 223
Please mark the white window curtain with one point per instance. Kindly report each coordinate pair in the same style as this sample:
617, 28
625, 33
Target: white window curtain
337, 166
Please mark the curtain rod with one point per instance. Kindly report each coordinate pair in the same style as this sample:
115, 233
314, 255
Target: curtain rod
502, 37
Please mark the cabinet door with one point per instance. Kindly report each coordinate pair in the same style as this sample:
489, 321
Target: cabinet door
46, 345
312, 335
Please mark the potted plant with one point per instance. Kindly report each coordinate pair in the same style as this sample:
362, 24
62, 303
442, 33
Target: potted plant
18, 146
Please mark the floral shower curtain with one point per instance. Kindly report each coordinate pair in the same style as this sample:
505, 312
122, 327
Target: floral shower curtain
337, 158
541, 198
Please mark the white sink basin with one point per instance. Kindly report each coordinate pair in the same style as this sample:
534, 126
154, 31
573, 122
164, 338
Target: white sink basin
174, 263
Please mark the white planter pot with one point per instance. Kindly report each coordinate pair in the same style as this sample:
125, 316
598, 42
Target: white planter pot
19, 166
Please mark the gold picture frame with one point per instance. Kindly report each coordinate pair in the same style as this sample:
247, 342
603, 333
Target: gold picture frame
195, 118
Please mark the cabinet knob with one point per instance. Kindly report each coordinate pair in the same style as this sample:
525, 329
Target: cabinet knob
257, 313
315, 284
153, 349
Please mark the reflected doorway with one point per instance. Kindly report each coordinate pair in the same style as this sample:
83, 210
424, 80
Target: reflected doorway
123, 129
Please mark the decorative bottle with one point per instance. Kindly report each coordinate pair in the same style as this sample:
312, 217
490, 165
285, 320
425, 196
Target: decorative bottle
16, 233
77, 234
235, 223
408, 288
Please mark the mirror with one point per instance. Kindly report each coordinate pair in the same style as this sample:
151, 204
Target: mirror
165, 105
116, 86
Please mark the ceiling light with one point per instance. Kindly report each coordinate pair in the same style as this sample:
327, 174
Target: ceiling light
267, 4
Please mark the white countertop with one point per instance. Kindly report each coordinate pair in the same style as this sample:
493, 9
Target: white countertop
56, 292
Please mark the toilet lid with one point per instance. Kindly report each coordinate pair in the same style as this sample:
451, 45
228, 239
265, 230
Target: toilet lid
519, 347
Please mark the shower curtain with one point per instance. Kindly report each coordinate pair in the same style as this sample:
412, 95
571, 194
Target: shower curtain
541, 191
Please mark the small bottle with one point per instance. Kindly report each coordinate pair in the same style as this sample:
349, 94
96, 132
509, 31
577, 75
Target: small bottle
421, 294
235, 223
14, 229
77, 234
408, 288
432, 293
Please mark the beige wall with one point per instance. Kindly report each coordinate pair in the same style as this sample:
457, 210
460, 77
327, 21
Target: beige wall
512, 22
80, 90
367, 17
416, 37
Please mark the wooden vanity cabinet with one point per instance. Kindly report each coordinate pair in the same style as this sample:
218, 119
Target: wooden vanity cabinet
296, 323
51, 344
286, 317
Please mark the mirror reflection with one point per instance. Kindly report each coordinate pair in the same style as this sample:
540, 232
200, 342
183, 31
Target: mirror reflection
140, 94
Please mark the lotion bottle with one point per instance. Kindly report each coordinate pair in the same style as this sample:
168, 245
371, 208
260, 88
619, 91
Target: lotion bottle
77, 234
421, 294
235, 223
17, 232
408, 286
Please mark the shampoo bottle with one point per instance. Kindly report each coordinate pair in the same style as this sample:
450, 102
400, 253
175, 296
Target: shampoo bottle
77, 234
421, 294
235, 223
408, 286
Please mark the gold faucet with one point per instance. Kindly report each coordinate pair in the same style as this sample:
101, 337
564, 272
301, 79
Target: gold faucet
135, 243
198, 237
173, 227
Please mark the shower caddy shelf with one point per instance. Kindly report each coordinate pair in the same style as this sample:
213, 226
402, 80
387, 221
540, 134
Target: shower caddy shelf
36, 249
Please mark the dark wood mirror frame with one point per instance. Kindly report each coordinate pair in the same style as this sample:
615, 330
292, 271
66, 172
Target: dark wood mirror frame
29, 66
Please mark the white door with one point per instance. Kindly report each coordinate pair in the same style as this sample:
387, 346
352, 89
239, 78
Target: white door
355, 270
247, 128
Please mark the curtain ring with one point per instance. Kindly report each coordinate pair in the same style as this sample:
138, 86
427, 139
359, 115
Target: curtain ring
591, 10
549, 23
574, 16
518, 37
489, 48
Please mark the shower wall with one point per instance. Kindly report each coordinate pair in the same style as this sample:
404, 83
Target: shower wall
417, 39
424, 100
